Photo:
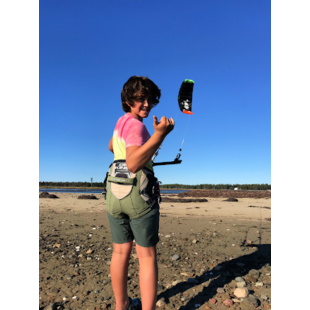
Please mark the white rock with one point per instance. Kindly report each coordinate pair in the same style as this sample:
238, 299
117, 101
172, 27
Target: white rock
241, 292
259, 284
241, 284
160, 303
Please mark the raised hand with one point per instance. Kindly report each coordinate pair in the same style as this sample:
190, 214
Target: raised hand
164, 126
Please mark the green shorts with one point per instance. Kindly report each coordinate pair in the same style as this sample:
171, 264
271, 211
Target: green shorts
144, 230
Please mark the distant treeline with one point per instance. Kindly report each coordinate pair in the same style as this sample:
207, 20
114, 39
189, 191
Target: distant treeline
219, 186
168, 186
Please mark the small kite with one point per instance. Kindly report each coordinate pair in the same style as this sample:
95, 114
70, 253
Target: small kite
185, 97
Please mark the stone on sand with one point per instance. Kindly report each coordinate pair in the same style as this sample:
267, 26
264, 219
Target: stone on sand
241, 292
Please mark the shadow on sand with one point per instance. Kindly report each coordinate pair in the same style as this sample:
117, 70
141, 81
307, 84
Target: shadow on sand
256, 260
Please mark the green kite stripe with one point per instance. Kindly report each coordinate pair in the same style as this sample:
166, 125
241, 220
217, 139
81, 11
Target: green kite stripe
189, 81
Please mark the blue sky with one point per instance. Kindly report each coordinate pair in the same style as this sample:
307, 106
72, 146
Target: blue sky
89, 49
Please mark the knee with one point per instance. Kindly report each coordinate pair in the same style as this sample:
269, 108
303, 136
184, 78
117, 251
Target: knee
149, 252
122, 249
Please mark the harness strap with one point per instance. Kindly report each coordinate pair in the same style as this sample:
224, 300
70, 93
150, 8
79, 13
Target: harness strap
122, 180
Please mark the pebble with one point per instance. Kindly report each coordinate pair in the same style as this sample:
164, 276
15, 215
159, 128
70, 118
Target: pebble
241, 292
233, 245
236, 300
228, 302
184, 298
212, 301
160, 303
252, 300
220, 290
193, 280
207, 307
175, 257
263, 297
194, 241
176, 282
254, 273
239, 279
51, 306
89, 251
241, 284
197, 305
167, 236
259, 284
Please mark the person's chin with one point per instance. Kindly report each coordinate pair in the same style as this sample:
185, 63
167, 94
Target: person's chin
144, 114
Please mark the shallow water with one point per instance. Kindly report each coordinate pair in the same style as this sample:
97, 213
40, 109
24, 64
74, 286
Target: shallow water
96, 191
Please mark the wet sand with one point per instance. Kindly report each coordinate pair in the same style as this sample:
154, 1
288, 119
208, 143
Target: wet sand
210, 238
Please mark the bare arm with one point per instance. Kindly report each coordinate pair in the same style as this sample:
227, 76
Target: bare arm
111, 145
138, 156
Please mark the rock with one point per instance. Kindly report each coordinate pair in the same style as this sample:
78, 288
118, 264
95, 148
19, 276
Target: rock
194, 241
231, 199
160, 287
175, 257
184, 298
87, 197
236, 300
167, 236
241, 292
161, 303
176, 282
259, 284
212, 301
47, 195
89, 251
57, 245
220, 290
207, 307
263, 297
51, 306
251, 299
239, 279
228, 302
241, 284
254, 273
193, 281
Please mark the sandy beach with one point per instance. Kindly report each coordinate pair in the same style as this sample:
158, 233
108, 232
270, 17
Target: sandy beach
221, 246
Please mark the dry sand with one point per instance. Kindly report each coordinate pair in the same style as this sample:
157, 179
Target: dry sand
221, 229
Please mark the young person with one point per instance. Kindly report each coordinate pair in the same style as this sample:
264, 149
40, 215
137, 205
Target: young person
133, 209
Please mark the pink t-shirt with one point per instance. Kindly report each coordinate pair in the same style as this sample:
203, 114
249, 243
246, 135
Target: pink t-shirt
129, 131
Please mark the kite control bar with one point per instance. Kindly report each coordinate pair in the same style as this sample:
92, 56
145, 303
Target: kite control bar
176, 161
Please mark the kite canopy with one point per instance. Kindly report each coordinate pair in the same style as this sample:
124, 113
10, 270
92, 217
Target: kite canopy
185, 97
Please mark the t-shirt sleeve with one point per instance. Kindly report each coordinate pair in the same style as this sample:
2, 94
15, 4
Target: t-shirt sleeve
135, 133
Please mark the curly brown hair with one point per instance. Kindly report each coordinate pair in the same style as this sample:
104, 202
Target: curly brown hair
136, 87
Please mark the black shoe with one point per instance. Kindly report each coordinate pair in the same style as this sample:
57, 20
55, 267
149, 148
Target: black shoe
134, 304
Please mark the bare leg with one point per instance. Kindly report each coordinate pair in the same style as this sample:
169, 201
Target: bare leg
148, 276
119, 273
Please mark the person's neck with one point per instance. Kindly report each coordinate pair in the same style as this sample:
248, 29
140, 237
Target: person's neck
137, 117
